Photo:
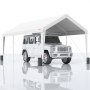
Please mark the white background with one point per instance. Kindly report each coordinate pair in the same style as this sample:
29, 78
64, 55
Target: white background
15, 12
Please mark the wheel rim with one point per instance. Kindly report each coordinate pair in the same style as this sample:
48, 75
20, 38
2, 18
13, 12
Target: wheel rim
45, 58
24, 56
65, 60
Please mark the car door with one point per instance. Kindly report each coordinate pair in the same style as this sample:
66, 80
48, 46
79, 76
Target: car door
30, 46
37, 46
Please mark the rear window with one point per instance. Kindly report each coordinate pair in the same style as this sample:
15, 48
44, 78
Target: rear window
25, 41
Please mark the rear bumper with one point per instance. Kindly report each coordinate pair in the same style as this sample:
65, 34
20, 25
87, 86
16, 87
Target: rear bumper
60, 55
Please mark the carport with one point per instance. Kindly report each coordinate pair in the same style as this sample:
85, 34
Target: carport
57, 26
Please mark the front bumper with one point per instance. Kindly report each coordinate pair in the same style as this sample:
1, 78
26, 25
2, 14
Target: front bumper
61, 55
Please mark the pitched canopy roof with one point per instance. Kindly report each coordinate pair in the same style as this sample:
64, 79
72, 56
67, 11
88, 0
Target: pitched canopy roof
59, 26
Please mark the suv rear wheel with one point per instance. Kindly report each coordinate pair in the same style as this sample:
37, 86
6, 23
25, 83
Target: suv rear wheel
47, 59
25, 56
66, 60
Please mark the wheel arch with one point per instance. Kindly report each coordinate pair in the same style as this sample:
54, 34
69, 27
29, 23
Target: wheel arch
46, 51
24, 50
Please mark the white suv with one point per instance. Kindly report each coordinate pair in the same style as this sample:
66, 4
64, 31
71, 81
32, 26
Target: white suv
53, 49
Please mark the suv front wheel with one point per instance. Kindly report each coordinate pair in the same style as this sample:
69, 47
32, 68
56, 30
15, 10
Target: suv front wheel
66, 60
47, 59
25, 56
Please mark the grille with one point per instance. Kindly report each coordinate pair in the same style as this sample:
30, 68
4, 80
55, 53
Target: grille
62, 48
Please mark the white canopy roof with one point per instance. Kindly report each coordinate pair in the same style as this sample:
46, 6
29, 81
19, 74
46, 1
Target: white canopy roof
60, 26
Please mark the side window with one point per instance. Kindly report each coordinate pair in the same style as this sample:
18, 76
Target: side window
28, 39
25, 41
38, 40
32, 40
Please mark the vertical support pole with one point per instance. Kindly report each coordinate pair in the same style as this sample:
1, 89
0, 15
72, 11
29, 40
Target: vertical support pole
3, 59
13, 48
42, 48
13, 60
3, 45
42, 43
86, 45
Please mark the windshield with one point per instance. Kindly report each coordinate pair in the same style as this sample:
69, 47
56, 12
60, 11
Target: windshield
52, 39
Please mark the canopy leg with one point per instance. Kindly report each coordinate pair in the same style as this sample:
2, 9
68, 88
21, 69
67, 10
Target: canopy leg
3, 45
2, 56
42, 48
13, 48
13, 60
42, 43
86, 45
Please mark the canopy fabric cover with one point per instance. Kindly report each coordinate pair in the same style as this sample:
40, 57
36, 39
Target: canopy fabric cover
59, 26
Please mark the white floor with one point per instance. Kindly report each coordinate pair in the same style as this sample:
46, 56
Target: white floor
15, 74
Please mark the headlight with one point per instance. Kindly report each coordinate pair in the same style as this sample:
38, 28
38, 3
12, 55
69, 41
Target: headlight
69, 48
52, 48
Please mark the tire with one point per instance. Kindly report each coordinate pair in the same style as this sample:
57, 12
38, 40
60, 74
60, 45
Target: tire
25, 56
47, 58
66, 60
